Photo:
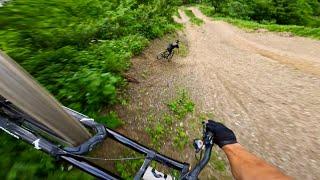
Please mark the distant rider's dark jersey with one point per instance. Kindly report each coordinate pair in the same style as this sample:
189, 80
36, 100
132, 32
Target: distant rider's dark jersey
172, 46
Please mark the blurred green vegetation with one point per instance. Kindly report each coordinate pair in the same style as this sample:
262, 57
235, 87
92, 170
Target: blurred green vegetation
111, 120
127, 170
294, 29
308, 28
79, 50
300, 17
20, 161
193, 18
171, 125
182, 105
284, 12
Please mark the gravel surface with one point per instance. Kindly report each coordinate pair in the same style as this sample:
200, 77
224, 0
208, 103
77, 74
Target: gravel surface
265, 86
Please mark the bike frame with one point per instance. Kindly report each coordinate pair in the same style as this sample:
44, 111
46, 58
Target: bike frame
73, 155
69, 154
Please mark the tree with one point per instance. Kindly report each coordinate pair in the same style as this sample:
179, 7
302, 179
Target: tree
292, 12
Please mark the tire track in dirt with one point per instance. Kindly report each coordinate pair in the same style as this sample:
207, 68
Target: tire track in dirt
270, 97
306, 64
264, 86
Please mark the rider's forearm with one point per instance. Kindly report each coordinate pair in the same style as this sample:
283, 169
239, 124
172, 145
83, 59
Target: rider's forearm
247, 166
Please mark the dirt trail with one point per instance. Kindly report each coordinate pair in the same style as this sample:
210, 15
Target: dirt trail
264, 86
270, 97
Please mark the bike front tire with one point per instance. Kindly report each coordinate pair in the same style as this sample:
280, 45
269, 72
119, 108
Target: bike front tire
169, 57
160, 55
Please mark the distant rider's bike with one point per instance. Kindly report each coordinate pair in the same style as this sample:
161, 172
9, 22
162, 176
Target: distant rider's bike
165, 55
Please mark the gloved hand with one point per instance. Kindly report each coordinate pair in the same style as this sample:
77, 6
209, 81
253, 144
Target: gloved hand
221, 134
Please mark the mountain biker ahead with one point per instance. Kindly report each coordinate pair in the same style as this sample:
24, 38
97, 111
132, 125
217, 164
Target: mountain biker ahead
244, 165
172, 46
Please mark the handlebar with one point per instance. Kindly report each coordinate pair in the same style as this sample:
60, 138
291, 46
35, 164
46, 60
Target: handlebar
72, 156
208, 144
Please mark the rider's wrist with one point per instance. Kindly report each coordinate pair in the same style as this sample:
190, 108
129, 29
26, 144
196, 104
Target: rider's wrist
229, 147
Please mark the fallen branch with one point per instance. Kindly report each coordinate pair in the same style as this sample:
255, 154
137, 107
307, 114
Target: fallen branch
131, 79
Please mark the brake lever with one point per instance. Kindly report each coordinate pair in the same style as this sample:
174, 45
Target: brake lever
198, 145
205, 144
207, 135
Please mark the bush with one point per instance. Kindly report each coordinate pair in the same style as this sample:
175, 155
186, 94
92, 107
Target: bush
193, 18
207, 10
237, 9
79, 50
182, 105
292, 12
286, 12
263, 11
112, 120
297, 30
21, 161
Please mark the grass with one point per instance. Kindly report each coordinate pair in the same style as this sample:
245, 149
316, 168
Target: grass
176, 13
182, 105
145, 74
79, 51
294, 29
170, 124
174, 128
246, 24
168, 119
193, 18
156, 133
128, 169
111, 120
181, 139
207, 10
218, 163
183, 50
31, 164
205, 116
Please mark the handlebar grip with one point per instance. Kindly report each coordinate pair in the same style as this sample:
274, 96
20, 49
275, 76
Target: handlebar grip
194, 173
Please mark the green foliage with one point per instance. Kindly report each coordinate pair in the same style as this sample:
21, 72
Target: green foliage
205, 116
168, 119
181, 139
265, 8
217, 4
182, 105
218, 163
21, 161
193, 18
297, 30
183, 50
156, 133
111, 120
128, 169
293, 12
207, 10
237, 9
97, 88
262, 10
78, 50
171, 124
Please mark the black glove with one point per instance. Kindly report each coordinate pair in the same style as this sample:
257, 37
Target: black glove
221, 134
